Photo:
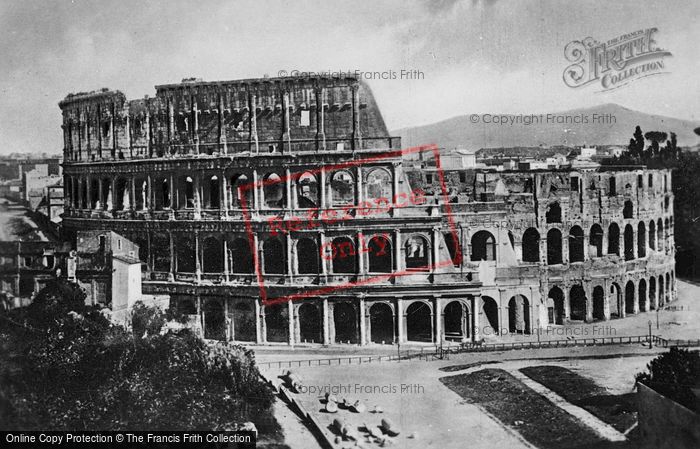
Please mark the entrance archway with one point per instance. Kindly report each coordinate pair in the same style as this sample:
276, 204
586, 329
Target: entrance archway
244, 322
519, 315
643, 295
555, 306
381, 322
214, 321
615, 300
599, 303
490, 311
345, 319
577, 303
309, 324
418, 322
629, 298
277, 323
456, 321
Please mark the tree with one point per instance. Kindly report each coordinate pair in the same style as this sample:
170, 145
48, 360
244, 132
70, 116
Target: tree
636, 146
674, 374
68, 367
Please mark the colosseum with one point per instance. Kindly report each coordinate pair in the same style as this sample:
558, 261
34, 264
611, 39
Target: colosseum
526, 249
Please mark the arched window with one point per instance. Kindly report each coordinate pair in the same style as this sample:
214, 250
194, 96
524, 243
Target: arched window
554, 248
596, 240
641, 240
660, 234
379, 255
344, 256
531, 245
165, 193
94, 193
652, 235
274, 260
214, 202
342, 188
273, 191
238, 191
307, 256
483, 246
417, 256
213, 255
189, 193
307, 191
576, 244
614, 239
577, 303
378, 185
160, 251
628, 209
629, 242
240, 257
554, 213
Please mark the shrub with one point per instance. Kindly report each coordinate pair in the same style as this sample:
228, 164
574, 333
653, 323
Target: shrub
674, 374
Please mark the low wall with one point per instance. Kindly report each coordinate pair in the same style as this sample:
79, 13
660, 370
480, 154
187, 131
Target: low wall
665, 424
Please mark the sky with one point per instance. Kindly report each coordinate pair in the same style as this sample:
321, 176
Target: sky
475, 56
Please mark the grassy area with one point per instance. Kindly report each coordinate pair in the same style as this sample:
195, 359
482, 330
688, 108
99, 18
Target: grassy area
516, 405
619, 411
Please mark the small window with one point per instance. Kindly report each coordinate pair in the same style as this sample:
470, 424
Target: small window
651, 180
429, 178
305, 118
340, 146
640, 181
28, 261
462, 177
103, 243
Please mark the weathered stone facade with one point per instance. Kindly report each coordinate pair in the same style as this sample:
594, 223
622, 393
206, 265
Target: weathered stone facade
165, 173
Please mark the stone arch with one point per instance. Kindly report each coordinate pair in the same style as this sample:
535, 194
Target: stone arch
277, 322
652, 293
214, 320
456, 320
342, 188
274, 256
553, 214
662, 291
616, 301
629, 298
185, 253
554, 247
345, 320
378, 184
160, 251
344, 256
614, 239
519, 315
94, 193
273, 191
577, 303
417, 255
189, 192
598, 303
489, 308
310, 323
213, 255
83, 194
669, 288
241, 191
106, 193
483, 246
555, 306
643, 295
576, 242
667, 235
595, 240
629, 242
531, 245
380, 254
381, 322
652, 235
213, 193
628, 209
660, 235
307, 191
419, 325
240, 257
641, 240
244, 323
307, 256
121, 194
